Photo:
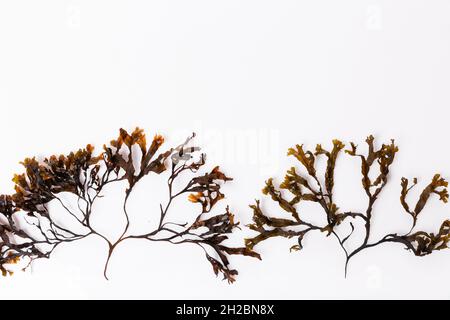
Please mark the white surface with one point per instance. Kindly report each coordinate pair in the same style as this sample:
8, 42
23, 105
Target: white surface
252, 78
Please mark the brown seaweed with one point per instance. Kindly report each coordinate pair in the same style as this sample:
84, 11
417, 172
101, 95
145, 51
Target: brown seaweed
375, 167
29, 231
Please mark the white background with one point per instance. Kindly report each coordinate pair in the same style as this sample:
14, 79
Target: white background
252, 78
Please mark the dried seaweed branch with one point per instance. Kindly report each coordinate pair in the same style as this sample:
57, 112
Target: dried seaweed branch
375, 166
29, 230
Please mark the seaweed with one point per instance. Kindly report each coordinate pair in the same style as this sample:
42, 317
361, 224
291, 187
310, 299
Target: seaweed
375, 167
29, 230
